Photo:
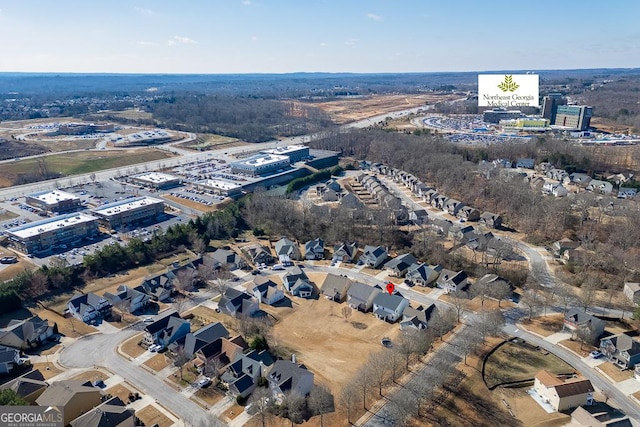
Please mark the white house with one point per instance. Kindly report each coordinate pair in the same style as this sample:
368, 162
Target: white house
266, 291
389, 307
562, 394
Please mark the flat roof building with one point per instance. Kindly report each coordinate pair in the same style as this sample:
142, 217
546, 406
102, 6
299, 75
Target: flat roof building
497, 114
526, 124
54, 201
260, 164
129, 211
294, 152
222, 187
576, 117
42, 236
157, 180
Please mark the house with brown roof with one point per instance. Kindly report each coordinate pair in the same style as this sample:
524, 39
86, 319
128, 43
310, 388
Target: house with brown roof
335, 287
562, 394
112, 413
76, 396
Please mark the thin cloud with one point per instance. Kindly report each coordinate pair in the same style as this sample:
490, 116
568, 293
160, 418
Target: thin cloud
323, 44
246, 2
143, 11
143, 43
351, 42
176, 40
254, 38
374, 17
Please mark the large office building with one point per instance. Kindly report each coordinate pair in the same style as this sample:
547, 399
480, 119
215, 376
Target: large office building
129, 211
550, 105
222, 187
294, 152
497, 114
533, 124
156, 180
260, 164
54, 201
42, 236
574, 117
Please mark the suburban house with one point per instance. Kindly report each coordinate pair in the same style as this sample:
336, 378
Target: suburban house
491, 220
158, 287
194, 341
286, 250
166, 330
580, 179
631, 291
329, 195
9, 359
219, 353
297, 283
453, 206
462, 233
226, 259
602, 187
398, 266
439, 201
258, 254
241, 375
582, 417
360, 296
237, 303
266, 291
389, 307
525, 163
451, 281
422, 274
561, 246
29, 386
562, 394
287, 377
131, 299
622, 350
373, 256
88, 307
417, 318
28, 333
627, 193
112, 413
469, 214
350, 201
345, 252
577, 321
418, 216
314, 249
76, 396
335, 287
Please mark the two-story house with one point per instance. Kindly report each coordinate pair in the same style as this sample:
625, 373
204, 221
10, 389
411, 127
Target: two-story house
582, 324
335, 287
360, 296
389, 307
132, 299
314, 249
622, 350
88, 307
373, 256
562, 394
166, 330
28, 333
265, 291
398, 266
288, 377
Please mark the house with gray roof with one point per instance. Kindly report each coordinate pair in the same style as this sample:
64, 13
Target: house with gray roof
622, 350
631, 291
452, 206
335, 287
469, 213
491, 220
345, 252
29, 386
76, 396
28, 333
132, 299
351, 201
423, 275
296, 282
237, 303
194, 341
598, 186
287, 377
373, 256
576, 320
265, 290
226, 259
88, 307
627, 192
241, 376
112, 413
452, 281
525, 163
389, 307
417, 318
166, 330
418, 216
258, 254
360, 296
158, 287
398, 266
287, 250
9, 359
314, 249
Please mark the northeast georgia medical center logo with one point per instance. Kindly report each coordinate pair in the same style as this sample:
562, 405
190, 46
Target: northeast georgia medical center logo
508, 90
31, 416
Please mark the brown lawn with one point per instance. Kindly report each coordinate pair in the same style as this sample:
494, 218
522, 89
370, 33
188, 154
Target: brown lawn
48, 369
69, 327
615, 373
204, 315
577, 347
233, 412
119, 390
190, 203
131, 348
210, 395
188, 377
91, 375
157, 362
130, 278
328, 345
545, 326
10, 271
150, 415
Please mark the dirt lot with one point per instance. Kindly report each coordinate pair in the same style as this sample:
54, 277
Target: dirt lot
157, 362
351, 109
209, 395
327, 344
69, 327
544, 326
149, 415
131, 348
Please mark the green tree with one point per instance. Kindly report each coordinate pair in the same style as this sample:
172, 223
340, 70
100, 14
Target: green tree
9, 397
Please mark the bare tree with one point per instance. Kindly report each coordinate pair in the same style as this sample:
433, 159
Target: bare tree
206, 272
587, 295
212, 367
460, 302
488, 323
295, 405
363, 381
321, 401
586, 335
500, 290
406, 347
379, 369
402, 407
443, 322
180, 359
565, 294
349, 398
185, 279
470, 342
531, 299
123, 308
481, 289
346, 312
261, 401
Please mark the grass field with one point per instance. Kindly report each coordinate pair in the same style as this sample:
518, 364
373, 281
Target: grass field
48, 369
157, 362
80, 162
615, 373
544, 326
150, 415
91, 375
131, 348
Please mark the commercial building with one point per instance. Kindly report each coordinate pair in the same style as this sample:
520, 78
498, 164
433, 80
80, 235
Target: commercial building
54, 201
222, 187
532, 124
156, 180
550, 105
129, 211
85, 128
294, 152
260, 164
497, 114
576, 117
42, 236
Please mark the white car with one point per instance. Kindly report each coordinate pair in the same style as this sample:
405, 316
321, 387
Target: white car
154, 348
278, 267
204, 382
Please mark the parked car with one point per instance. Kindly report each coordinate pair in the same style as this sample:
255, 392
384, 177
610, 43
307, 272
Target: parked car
148, 320
596, 354
204, 382
155, 348
278, 267
8, 260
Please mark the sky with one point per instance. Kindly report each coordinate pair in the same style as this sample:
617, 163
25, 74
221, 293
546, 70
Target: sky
283, 36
